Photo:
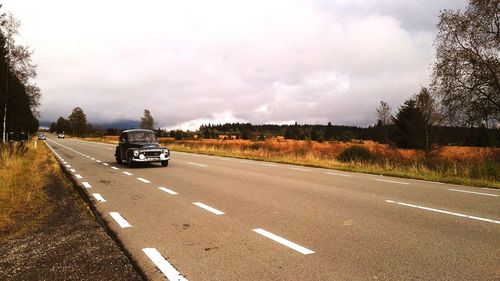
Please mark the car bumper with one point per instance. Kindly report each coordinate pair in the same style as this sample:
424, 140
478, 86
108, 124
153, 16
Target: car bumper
150, 159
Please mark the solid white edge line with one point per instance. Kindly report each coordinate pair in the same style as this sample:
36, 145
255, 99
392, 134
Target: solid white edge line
208, 208
168, 190
283, 241
442, 211
78, 176
99, 197
196, 164
143, 180
127, 173
299, 169
163, 265
396, 182
338, 174
119, 219
472, 192
86, 184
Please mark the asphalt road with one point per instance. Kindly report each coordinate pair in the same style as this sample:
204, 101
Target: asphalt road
214, 218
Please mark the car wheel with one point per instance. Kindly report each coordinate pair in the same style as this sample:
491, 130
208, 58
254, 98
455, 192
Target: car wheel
164, 163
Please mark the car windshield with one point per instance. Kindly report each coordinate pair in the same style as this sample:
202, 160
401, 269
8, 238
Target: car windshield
141, 136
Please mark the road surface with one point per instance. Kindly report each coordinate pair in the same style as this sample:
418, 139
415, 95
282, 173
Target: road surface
215, 218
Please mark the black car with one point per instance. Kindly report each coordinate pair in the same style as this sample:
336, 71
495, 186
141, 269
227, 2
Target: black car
140, 146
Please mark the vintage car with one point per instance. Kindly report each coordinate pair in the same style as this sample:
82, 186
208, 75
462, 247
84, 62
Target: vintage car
140, 146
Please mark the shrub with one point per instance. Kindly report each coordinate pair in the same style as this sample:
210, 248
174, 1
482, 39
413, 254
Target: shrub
356, 154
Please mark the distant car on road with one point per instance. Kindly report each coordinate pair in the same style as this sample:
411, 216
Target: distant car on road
140, 146
41, 136
60, 136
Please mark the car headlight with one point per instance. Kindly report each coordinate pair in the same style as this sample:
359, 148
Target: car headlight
142, 156
136, 153
165, 151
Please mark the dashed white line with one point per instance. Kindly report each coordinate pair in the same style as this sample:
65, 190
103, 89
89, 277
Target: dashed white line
105, 164
472, 192
86, 184
99, 197
283, 241
299, 169
69, 166
196, 164
442, 211
163, 265
64, 162
120, 220
208, 208
92, 158
127, 173
114, 168
338, 174
143, 180
168, 190
396, 182
98, 161
78, 176
73, 170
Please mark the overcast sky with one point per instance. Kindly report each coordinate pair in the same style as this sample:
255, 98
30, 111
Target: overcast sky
259, 61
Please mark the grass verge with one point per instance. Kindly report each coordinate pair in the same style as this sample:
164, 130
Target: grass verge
24, 175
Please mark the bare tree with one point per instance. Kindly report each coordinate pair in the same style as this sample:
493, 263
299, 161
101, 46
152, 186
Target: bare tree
384, 115
431, 114
466, 75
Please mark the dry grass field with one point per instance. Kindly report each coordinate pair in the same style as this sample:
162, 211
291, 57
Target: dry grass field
461, 165
23, 178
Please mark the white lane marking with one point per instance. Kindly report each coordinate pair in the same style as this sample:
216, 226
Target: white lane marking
196, 164
443, 211
120, 220
114, 168
268, 165
65, 162
396, 182
338, 174
168, 190
99, 197
127, 173
92, 158
98, 161
472, 192
86, 184
143, 180
69, 166
105, 164
283, 241
435, 182
163, 265
208, 208
73, 170
299, 169
78, 176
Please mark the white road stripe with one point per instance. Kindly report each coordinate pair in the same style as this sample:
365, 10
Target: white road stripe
69, 166
396, 182
167, 190
78, 176
196, 164
163, 265
114, 168
73, 170
99, 197
338, 174
443, 211
98, 161
65, 162
86, 184
120, 220
105, 164
92, 158
472, 192
299, 169
208, 208
268, 165
127, 173
143, 180
283, 241
434, 182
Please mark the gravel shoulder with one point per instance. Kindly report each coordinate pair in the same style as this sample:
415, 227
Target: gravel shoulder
66, 244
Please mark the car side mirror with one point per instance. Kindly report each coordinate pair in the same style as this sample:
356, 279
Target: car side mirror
123, 140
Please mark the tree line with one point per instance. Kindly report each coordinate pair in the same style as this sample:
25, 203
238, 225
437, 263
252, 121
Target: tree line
19, 94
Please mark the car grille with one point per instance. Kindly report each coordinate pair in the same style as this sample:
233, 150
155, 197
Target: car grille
154, 153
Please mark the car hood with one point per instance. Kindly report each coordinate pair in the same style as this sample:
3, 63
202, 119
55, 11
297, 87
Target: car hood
144, 145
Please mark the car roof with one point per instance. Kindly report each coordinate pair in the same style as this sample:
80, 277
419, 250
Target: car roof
137, 130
